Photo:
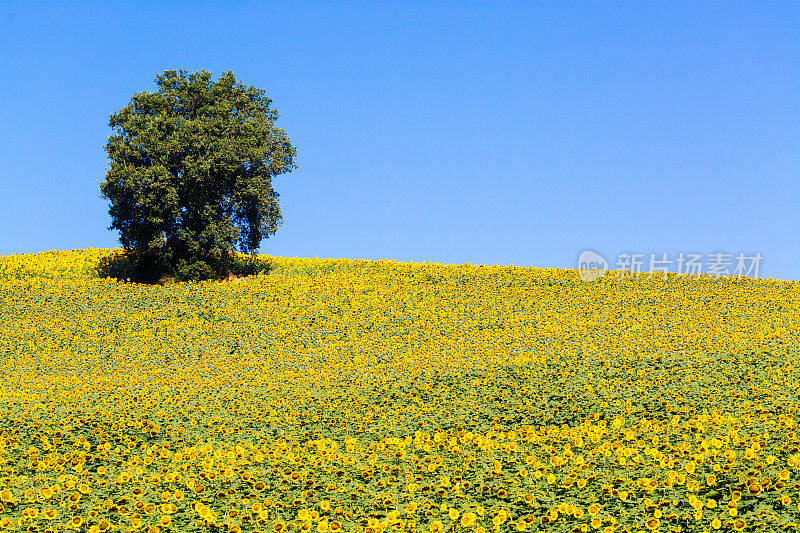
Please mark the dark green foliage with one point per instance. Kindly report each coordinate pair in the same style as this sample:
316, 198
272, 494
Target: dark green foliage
190, 178
140, 268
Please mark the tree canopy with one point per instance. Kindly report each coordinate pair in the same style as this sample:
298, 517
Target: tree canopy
191, 169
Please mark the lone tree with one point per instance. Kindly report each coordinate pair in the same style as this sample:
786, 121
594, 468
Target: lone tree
190, 178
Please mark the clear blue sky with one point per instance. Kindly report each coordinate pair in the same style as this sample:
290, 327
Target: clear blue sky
491, 133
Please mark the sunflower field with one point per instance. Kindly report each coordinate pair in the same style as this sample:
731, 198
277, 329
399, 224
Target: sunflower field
371, 396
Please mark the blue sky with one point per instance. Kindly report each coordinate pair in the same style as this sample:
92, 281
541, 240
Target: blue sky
491, 133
